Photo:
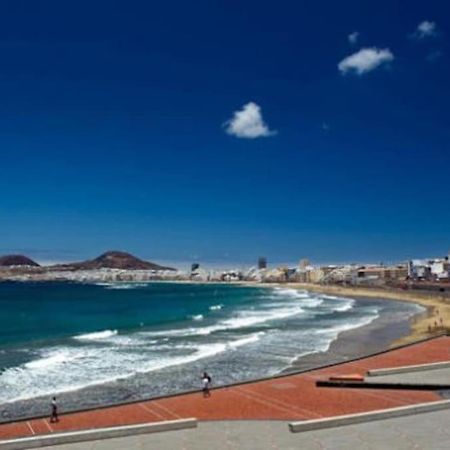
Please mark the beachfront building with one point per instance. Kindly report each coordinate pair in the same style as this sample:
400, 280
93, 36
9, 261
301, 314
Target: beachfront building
429, 269
440, 270
339, 275
419, 269
278, 275
302, 274
253, 274
311, 274
381, 274
231, 275
317, 274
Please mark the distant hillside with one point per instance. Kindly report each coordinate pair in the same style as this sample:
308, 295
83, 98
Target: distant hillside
114, 260
17, 260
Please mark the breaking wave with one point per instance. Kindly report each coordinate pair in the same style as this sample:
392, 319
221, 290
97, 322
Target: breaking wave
215, 307
122, 285
197, 317
66, 369
95, 336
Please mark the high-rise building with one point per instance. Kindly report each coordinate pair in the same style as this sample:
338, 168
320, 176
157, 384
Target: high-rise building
262, 262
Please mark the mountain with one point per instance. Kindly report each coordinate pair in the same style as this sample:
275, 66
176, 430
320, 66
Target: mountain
17, 260
115, 260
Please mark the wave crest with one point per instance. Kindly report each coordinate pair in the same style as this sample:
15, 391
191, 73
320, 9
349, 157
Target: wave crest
96, 335
197, 317
215, 307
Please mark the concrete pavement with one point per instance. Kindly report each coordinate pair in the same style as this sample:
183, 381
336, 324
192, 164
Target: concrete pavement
429, 431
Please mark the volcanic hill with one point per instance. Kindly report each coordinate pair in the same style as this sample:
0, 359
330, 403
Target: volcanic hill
17, 260
115, 260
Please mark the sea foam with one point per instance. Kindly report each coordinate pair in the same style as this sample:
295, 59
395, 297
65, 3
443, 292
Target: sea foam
121, 285
96, 335
98, 365
197, 317
215, 307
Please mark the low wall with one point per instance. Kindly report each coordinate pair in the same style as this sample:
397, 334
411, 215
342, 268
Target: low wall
408, 369
351, 419
96, 434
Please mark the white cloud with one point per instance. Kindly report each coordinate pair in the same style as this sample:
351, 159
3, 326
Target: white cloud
365, 60
353, 37
425, 29
248, 123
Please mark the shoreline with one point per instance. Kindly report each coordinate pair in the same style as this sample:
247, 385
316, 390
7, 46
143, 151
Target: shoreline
433, 321
342, 349
379, 335
392, 323
393, 334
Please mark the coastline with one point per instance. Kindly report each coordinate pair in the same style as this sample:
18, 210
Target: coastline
422, 325
381, 334
374, 337
392, 323
385, 332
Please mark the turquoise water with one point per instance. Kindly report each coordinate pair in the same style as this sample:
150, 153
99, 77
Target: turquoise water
37, 311
122, 341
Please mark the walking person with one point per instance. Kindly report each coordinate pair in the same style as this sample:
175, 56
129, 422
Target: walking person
206, 381
54, 416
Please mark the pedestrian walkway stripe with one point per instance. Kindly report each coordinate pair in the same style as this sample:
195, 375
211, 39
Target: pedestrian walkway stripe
388, 397
30, 427
167, 410
48, 425
278, 402
266, 402
151, 411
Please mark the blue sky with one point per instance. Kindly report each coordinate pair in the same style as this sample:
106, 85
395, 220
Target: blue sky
222, 131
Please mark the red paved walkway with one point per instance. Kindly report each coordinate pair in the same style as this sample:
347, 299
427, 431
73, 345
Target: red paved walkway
286, 398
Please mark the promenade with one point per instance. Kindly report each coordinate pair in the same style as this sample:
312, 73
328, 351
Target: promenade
428, 431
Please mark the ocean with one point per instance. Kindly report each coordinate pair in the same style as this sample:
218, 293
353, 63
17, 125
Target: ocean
110, 342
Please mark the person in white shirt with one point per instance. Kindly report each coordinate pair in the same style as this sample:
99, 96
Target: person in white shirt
54, 417
206, 381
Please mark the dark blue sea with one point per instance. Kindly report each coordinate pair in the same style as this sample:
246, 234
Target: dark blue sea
121, 341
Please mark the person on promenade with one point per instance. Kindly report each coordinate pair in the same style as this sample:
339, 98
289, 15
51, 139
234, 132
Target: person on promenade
54, 416
206, 380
